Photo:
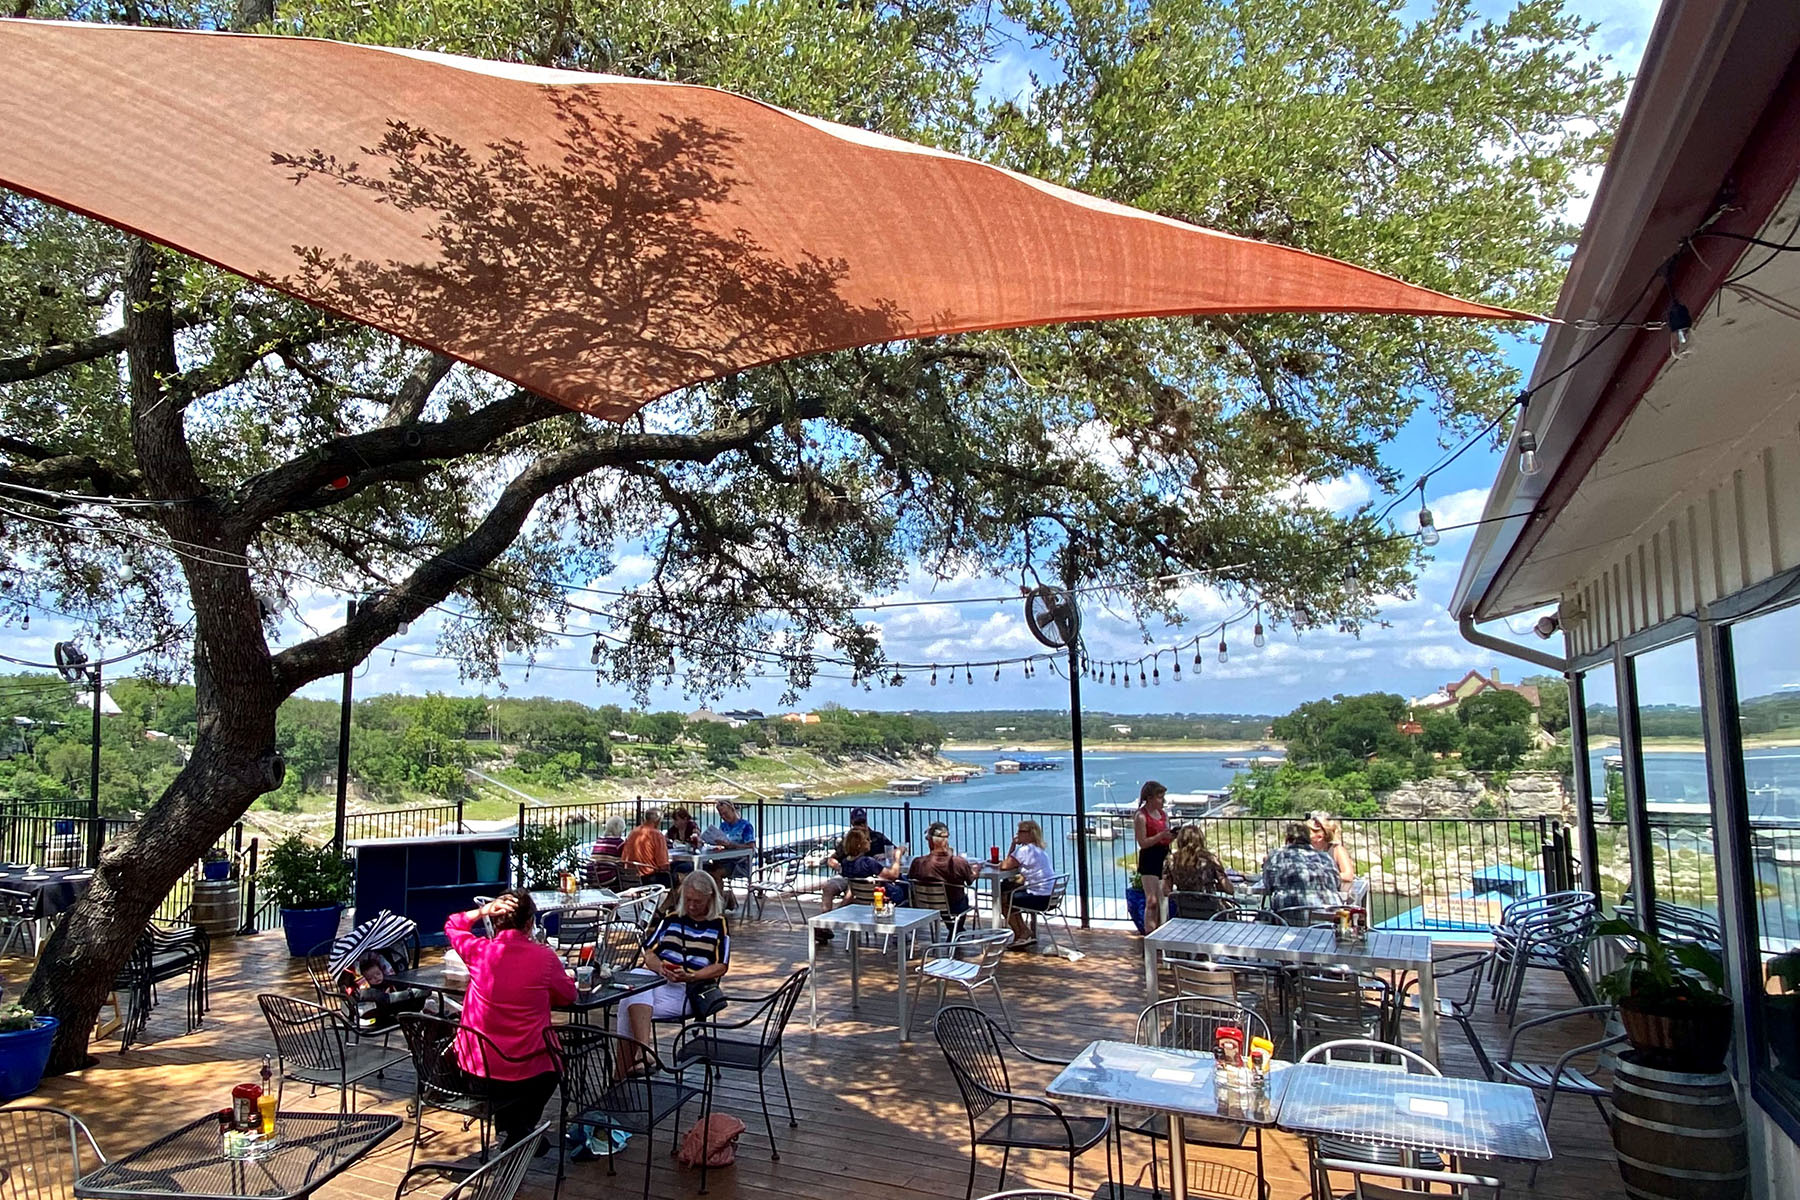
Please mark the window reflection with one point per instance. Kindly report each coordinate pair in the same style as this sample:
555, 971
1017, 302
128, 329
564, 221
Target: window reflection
1767, 681
1612, 845
1683, 862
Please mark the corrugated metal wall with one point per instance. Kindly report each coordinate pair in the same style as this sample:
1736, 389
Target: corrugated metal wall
1739, 532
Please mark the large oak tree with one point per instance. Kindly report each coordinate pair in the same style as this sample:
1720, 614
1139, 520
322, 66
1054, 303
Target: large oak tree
180, 450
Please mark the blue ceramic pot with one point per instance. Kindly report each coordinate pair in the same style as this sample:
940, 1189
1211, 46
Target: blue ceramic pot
307, 927
1134, 905
216, 871
23, 1054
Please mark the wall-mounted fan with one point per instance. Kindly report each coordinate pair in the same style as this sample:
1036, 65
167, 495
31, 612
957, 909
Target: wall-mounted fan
71, 662
1052, 616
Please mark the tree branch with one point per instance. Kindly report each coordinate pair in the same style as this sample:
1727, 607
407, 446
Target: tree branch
294, 485
420, 382
52, 359
433, 580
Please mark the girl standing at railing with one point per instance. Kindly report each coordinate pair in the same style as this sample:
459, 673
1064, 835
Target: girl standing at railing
1153, 838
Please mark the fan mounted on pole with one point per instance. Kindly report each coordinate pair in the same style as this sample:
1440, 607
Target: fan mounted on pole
1052, 617
72, 663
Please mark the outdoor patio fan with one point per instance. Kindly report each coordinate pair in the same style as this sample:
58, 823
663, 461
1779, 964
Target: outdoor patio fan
1054, 619
1052, 616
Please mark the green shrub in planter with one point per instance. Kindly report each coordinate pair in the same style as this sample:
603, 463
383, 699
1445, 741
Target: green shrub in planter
1671, 998
15, 1016
298, 875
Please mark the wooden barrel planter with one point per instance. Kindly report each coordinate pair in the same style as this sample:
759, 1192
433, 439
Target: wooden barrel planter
215, 906
1679, 1136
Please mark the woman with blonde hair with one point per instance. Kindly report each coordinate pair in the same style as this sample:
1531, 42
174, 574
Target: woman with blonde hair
688, 947
1327, 838
1194, 868
1037, 880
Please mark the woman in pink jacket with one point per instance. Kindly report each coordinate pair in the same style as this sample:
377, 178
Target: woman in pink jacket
513, 982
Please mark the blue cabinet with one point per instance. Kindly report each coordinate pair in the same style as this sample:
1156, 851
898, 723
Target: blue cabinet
428, 879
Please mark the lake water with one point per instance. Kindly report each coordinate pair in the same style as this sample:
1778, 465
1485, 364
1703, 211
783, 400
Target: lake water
1771, 776
1113, 776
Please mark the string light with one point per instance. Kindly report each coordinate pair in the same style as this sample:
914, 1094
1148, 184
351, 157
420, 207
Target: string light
1681, 324
1143, 681
1224, 654
996, 674
1256, 634
1115, 675
1428, 533
1175, 660
933, 674
1155, 675
1528, 459
968, 675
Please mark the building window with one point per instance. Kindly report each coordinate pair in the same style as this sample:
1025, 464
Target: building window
1677, 797
1612, 843
1765, 655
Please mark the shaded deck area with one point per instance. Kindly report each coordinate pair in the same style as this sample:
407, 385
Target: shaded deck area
874, 1116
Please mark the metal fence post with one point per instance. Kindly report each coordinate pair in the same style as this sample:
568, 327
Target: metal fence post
906, 822
459, 813
518, 863
247, 891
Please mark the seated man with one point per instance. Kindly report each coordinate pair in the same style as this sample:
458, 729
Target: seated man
1298, 879
647, 849
941, 864
733, 832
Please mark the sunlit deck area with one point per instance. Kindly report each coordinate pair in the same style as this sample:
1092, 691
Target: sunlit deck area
873, 1116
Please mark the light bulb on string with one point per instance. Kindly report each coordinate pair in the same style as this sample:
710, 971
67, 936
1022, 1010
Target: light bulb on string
1115, 675
1224, 654
933, 674
1143, 680
1681, 324
1128, 677
1175, 659
1428, 533
26, 622
1155, 675
953, 675
594, 654
1528, 445
1196, 656
1256, 634
996, 674
968, 675
402, 627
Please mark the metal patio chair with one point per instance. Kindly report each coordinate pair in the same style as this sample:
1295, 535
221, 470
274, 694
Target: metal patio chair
1467, 965
315, 1045
750, 1043
1567, 1074
598, 1093
440, 1082
1331, 1005
970, 960
499, 1179
164, 951
780, 882
976, 1049
41, 1153
1200, 906
1193, 1023
18, 921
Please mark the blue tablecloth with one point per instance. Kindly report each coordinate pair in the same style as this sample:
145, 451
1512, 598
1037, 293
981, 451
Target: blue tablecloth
56, 888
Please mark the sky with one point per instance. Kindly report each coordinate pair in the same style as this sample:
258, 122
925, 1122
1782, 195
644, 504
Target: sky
1419, 651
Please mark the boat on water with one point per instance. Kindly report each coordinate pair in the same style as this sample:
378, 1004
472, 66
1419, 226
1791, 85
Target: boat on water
913, 786
793, 793
1257, 760
1099, 829
1006, 766
1038, 764
1180, 806
954, 777
1477, 908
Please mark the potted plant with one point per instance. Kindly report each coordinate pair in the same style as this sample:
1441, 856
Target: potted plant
311, 884
1671, 999
1134, 899
1781, 1012
25, 1041
215, 865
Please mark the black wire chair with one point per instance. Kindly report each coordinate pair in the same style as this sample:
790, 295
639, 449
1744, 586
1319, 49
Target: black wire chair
499, 1179
1033, 1194
1193, 1023
759, 1044
41, 1153
315, 1045
599, 1091
972, 1044
18, 920
441, 1082
1200, 906
164, 951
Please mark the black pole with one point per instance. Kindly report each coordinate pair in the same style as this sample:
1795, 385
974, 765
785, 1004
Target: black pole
96, 832
343, 772
1081, 837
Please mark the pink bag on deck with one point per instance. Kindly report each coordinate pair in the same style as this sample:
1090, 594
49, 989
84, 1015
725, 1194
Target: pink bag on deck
715, 1137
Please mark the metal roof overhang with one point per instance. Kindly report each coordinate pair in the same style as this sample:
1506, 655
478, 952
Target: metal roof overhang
1714, 118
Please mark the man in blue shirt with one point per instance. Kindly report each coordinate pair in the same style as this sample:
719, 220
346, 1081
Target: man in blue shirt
735, 832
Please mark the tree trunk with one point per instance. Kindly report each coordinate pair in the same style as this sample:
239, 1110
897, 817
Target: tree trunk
93, 944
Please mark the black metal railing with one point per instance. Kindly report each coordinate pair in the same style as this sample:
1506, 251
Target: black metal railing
422, 821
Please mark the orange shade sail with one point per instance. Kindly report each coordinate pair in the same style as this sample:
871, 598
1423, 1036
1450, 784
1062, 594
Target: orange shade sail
599, 240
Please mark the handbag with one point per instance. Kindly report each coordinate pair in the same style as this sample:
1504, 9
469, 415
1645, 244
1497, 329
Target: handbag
705, 998
711, 1139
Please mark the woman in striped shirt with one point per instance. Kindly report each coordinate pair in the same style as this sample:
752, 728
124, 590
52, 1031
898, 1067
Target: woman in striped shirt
688, 947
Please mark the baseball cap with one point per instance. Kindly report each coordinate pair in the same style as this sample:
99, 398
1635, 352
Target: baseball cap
859, 816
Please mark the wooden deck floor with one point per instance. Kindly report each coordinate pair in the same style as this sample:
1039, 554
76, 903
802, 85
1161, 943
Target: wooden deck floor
873, 1116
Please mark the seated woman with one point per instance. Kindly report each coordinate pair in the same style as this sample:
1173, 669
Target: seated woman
1327, 838
607, 846
513, 983
857, 863
1032, 890
687, 947
1192, 868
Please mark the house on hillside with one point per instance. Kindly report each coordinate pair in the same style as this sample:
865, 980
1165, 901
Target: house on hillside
707, 714
801, 718
1470, 686
739, 717
1650, 499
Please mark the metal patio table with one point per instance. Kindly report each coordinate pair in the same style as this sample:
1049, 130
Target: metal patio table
1378, 950
1469, 1117
860, 918
627, 983
1180, 1083
991, 877
191, 1162
552, 901
709, 854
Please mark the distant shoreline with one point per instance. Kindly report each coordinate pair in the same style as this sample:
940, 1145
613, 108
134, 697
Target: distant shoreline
1148, 744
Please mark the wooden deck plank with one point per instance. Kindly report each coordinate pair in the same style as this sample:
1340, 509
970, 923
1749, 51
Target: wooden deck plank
872, 1115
